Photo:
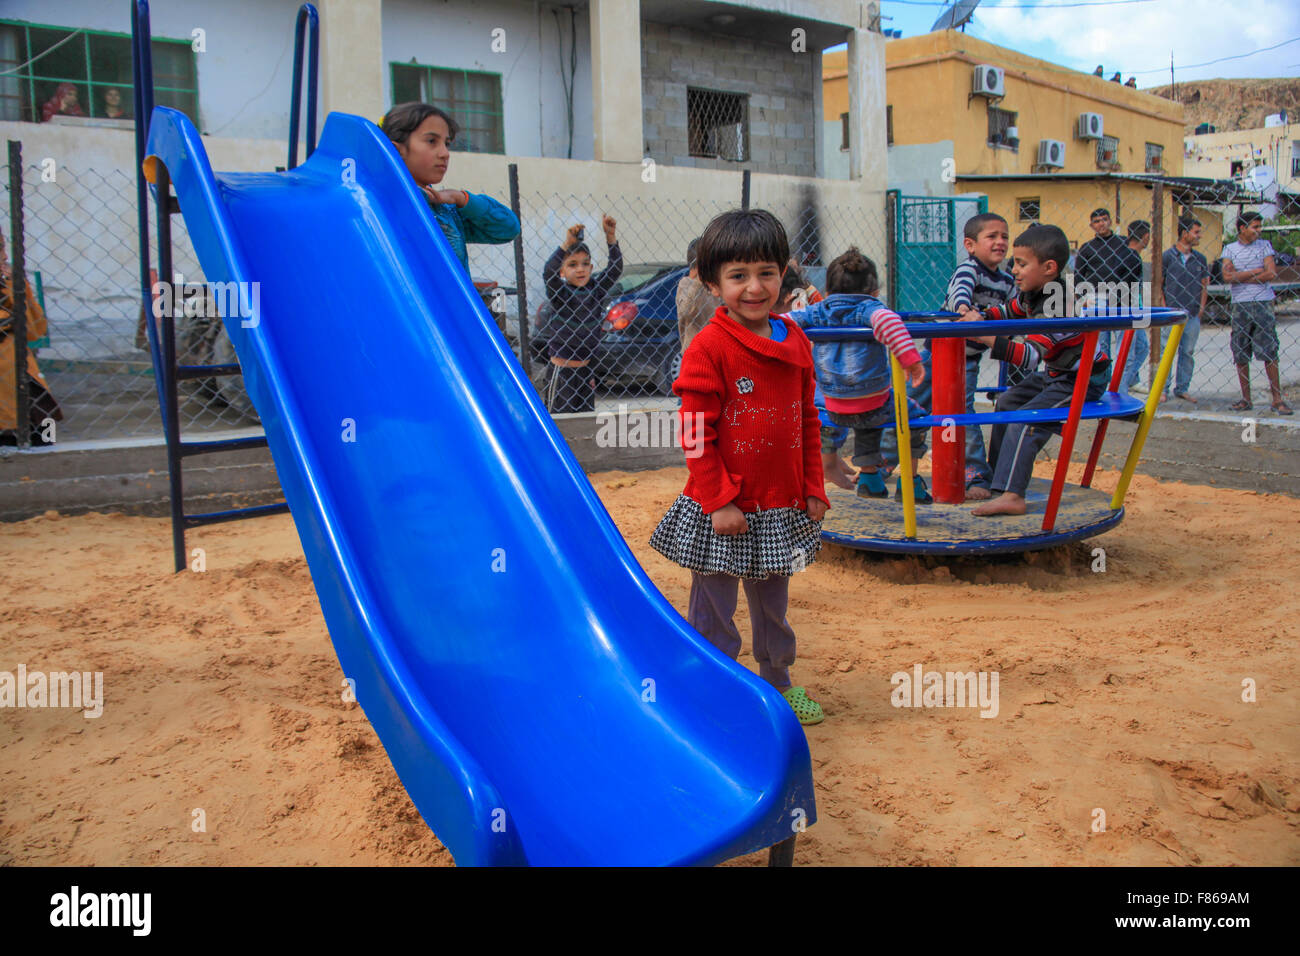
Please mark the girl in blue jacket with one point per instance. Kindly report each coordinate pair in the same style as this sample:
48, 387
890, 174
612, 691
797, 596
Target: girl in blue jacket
423, 135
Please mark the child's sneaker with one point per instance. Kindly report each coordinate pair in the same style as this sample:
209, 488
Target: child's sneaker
871, 485
805, 708
920, 490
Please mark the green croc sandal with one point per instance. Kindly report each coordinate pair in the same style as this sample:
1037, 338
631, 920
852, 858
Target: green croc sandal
805, 708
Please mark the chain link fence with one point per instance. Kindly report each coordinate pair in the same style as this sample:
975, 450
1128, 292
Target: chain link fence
1143, 216
81, 262
80, 248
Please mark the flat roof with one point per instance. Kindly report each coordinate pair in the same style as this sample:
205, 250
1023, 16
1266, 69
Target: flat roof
1222, 190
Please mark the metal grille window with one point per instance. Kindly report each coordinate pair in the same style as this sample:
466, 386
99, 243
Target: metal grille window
1108, 152
35, 60
1002, 127
1029, 210
718, 124
1155, 158
472, 99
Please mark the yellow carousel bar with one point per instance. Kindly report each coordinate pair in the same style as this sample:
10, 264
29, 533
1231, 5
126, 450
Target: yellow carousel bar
1148, 414
904, 446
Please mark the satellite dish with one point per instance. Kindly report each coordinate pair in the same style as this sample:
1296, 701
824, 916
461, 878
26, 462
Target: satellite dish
958, 15
1261, 177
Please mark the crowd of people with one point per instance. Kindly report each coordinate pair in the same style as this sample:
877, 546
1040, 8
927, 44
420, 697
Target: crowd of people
758, 397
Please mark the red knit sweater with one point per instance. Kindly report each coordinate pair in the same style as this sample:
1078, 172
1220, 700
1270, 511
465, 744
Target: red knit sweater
749, 426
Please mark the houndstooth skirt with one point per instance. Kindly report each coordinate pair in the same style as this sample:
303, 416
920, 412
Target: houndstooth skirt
779, 541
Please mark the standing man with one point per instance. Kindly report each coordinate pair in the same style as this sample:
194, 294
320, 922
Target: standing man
1247, 268
1101, 260
1186, 287
1133, 274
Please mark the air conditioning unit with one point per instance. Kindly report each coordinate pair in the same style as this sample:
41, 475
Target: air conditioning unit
1090, 126
1051, 152
988, 81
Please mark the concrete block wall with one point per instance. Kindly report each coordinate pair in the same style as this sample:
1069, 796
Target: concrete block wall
778, 82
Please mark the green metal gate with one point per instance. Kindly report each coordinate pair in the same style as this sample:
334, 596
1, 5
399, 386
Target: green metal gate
927, 244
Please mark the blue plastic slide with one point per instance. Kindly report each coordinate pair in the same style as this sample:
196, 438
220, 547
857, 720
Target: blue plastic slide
541, 701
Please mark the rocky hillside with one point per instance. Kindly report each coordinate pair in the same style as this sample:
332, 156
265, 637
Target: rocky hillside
1234, 104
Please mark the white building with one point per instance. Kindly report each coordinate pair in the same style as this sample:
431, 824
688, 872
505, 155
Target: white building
583, 97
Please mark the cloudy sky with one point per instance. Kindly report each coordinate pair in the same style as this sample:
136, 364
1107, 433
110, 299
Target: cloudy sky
1132, 36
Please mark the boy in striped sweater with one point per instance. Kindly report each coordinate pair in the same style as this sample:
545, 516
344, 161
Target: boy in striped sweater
1040, 254
855, 376
979, 283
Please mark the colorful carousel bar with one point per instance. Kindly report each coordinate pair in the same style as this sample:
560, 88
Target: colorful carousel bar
1057, 512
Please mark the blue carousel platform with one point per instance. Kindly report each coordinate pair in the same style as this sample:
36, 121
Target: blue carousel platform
876, 524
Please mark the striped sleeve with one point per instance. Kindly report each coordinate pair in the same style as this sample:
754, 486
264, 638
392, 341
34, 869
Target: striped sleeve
961, 287
1018, 354
889, 330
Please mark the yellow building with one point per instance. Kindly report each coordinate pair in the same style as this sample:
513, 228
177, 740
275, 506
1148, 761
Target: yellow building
1042, 142
939, 87
1065, 200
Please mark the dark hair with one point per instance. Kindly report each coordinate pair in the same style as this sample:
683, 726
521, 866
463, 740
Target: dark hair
1139, 229
1186, 223
576, 249
975, 224
1246, 218
1099, 211
405, 118
852, 273
1046, 242
690, 251
793, 279
753, 235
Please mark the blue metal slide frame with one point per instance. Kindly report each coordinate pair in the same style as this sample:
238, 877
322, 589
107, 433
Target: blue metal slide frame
539, 698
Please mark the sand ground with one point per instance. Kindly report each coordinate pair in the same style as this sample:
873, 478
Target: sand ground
1120, 692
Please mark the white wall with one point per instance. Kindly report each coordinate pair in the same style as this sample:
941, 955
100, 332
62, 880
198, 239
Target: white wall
244, 75
835, 161
458, 34
917, 169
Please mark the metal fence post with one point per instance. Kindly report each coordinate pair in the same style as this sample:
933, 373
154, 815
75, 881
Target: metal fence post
18, 297
891, 245
521, 280
1157, 268
744, 189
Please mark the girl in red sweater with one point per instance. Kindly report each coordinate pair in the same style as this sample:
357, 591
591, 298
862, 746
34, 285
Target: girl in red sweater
753, 504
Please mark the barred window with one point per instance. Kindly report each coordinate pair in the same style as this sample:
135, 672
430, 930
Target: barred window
1001, 124
36, 60
472, 99
1155, 158
718, 124
1107, 152
1029, 210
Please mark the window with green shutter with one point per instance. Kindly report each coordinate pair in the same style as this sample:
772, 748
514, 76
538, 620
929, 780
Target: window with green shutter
472, 99
36, 59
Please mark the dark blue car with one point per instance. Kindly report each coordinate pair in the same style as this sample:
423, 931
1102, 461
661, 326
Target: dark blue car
642, 349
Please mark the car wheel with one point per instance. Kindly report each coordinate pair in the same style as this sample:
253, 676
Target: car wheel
668, 374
